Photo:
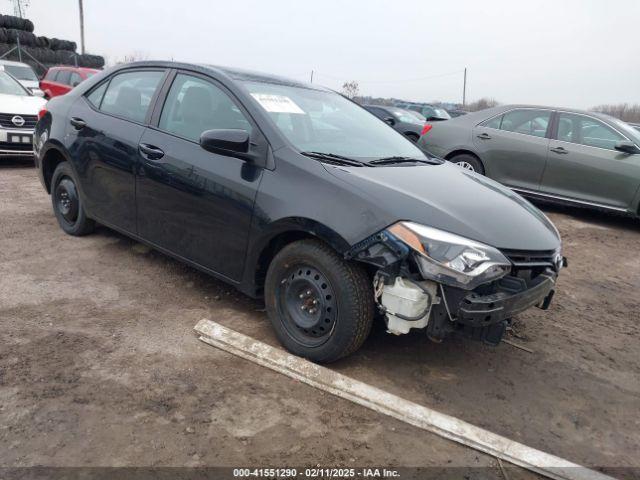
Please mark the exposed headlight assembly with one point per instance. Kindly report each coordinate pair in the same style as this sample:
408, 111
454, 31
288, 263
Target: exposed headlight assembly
451, 259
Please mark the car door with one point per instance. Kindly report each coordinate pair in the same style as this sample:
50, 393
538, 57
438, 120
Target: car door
514, 145
584, 164
191, 202
103, 135
61, 85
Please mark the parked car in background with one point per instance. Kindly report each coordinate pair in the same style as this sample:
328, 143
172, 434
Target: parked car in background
19, 110
430, 112
564, 155
291, 192
60, 80
404, 121
24, 74
456, 112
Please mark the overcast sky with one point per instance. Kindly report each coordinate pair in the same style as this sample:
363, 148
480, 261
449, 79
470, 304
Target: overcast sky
574, 53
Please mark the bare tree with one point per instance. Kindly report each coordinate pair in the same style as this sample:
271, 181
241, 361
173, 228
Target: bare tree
624, 111
135, 56
350, 89
482, 104
20, 7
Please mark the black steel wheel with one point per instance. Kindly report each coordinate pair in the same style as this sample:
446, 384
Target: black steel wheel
67, 204
307, 305
320, 305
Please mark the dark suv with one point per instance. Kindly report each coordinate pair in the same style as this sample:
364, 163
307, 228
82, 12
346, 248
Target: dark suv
292, 192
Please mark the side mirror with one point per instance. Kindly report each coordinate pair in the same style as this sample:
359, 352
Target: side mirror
435, 119
233, 143
390, 121
627, 147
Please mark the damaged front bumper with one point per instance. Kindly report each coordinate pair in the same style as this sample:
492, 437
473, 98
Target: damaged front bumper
481, 310
411, 299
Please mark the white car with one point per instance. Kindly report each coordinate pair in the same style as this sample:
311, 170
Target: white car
19, 110
24, 74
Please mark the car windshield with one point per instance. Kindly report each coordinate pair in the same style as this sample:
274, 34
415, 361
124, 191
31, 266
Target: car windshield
323, 121
9, 85
417, 115
21, 72
441, 113
405, 115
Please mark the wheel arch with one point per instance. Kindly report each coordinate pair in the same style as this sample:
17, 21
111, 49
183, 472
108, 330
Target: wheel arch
463, 151
53, 156
279, 235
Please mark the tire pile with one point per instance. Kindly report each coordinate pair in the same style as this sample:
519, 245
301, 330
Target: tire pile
47, 51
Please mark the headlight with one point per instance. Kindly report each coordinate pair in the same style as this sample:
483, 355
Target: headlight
451, 259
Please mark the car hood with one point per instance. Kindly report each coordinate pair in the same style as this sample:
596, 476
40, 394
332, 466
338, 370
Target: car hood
21, 104
455, 200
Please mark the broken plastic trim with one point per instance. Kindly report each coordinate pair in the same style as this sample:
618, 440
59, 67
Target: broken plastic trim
382, 250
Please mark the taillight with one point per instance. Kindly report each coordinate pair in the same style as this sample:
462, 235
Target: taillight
41, 113
426, 128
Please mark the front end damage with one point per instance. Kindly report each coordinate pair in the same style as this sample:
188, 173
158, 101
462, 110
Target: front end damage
432, 280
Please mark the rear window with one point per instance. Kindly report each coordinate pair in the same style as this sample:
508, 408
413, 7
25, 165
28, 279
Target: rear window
21, 72
129, 94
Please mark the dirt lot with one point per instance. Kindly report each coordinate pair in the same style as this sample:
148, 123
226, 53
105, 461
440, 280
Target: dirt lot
99, 365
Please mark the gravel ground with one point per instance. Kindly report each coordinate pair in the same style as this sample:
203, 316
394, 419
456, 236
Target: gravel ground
99, 365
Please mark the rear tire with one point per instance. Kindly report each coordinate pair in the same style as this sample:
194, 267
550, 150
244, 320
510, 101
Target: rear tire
67, 204
468, 162
320, 305
413, 137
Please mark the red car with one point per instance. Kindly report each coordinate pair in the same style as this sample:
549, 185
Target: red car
60, 80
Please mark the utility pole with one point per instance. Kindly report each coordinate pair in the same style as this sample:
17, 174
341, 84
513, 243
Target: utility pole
311, 76
81, 27
464, 88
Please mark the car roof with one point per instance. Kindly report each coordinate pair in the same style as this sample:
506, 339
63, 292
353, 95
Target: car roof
11, 62
71, 67
232, 73
481, 115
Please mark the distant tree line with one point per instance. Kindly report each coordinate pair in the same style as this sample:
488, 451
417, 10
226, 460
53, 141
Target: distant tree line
624, 111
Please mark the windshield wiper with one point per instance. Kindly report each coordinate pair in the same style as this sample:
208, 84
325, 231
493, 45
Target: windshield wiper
334, 158
396, 159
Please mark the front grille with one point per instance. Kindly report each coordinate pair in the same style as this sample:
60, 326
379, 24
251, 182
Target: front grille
528, 259
15, 147
29, 121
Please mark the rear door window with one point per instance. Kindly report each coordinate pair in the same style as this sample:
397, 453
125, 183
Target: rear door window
195, 105
493, 122
63, 77
95, 97
129, 94
527, 122
75, 79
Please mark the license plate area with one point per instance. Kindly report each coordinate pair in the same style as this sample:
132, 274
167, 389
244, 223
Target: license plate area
21, 138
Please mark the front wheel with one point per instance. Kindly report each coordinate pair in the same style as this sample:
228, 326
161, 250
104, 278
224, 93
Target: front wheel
67, 204
320, 305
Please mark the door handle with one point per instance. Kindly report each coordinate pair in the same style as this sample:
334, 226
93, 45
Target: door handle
559, 150
150, 152
78, 123
484, 136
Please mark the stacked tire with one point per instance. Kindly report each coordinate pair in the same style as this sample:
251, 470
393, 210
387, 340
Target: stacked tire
47, 51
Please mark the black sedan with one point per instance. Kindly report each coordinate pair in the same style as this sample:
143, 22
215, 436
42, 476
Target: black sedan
293, 193
400, 119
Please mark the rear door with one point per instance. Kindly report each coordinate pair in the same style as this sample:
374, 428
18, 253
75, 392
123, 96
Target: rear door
514, 145
105, 128
192, 202
584, 164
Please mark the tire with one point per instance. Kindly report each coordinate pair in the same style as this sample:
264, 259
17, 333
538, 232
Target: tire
67, 205
468, 162
413, 137
337, 296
